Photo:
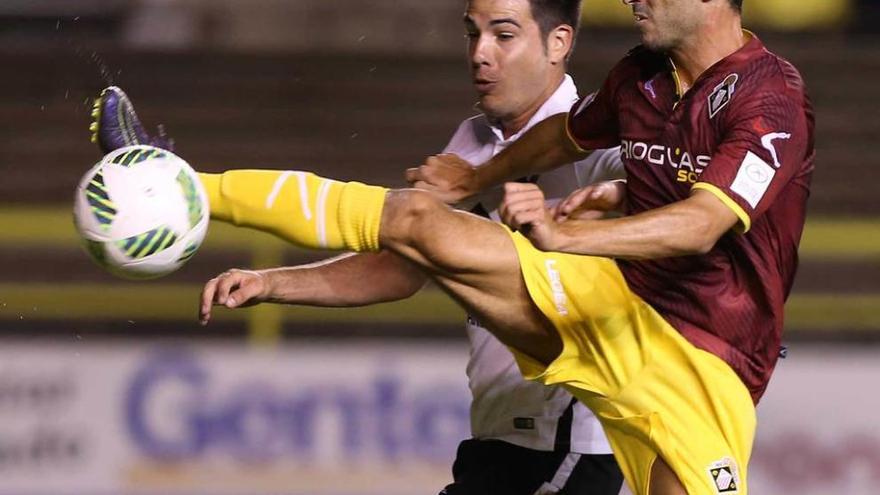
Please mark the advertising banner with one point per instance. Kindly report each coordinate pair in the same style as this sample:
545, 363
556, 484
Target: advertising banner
346, 418
355, 418
818, 425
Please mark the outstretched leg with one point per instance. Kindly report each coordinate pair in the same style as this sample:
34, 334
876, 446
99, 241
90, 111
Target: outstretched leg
475, 261
472, 258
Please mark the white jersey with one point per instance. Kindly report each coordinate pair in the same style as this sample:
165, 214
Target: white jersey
505, 406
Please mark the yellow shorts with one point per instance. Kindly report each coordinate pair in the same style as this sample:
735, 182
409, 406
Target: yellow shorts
653, 391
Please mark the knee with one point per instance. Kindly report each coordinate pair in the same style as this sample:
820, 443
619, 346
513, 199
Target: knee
407, 211
415, 203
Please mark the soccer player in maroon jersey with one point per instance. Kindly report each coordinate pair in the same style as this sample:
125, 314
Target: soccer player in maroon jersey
717, 139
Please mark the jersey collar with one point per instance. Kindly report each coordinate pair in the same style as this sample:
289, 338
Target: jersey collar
729, 62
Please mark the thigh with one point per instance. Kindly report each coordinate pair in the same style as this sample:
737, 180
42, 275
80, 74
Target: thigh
688, 408
474, 260
653, 391
455, 245
591, 307
707, 419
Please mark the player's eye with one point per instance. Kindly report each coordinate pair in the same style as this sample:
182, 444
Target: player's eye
505, 36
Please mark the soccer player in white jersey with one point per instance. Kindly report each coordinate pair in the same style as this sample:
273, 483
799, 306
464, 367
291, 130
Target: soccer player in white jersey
527, 438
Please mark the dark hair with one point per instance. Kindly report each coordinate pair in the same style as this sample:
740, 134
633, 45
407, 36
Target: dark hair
737, 5
549, 14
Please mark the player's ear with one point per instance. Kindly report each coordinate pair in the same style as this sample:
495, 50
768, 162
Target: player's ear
559, 42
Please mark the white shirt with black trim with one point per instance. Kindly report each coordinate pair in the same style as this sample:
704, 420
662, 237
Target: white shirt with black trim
505, 406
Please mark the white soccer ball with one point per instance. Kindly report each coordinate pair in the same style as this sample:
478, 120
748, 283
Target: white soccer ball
141, 212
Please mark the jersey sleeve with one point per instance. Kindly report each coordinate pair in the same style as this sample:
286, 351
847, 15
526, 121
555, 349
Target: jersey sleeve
592, 122
768, 140
599, 166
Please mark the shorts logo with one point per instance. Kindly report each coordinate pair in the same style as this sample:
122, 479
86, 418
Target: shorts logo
725, 476
559, 298
722, 94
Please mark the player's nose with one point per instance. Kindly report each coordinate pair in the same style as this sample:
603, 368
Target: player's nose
479, 52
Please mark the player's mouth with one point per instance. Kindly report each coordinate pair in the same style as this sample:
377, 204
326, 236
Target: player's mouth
640, 16
484, 86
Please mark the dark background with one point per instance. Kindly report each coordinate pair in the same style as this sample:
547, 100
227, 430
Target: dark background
352, 90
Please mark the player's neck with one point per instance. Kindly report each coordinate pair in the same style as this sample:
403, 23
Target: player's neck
512, 125
713, 42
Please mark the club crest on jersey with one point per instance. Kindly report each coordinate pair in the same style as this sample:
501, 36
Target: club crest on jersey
722, 94
725, 476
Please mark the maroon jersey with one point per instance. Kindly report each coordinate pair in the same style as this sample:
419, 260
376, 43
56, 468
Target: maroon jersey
743, 132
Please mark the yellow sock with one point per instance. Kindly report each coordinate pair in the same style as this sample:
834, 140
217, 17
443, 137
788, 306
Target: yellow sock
300, 207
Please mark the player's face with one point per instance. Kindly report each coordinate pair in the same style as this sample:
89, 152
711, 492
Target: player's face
665, 23
510, 67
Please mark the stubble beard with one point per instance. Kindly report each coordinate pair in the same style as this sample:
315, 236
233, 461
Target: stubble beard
658, 43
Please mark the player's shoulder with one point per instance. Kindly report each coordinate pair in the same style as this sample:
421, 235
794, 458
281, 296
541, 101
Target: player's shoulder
786, 73
766, 85
470, 136
640, 63
473, 124
769, 72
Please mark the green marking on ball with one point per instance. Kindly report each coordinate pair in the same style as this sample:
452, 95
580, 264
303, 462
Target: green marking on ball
188, 252
151, 242
138, 155
193, 202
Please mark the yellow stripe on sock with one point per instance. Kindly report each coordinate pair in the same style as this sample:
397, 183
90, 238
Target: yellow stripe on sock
360, 215
321, 209
302, 178
276, 188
